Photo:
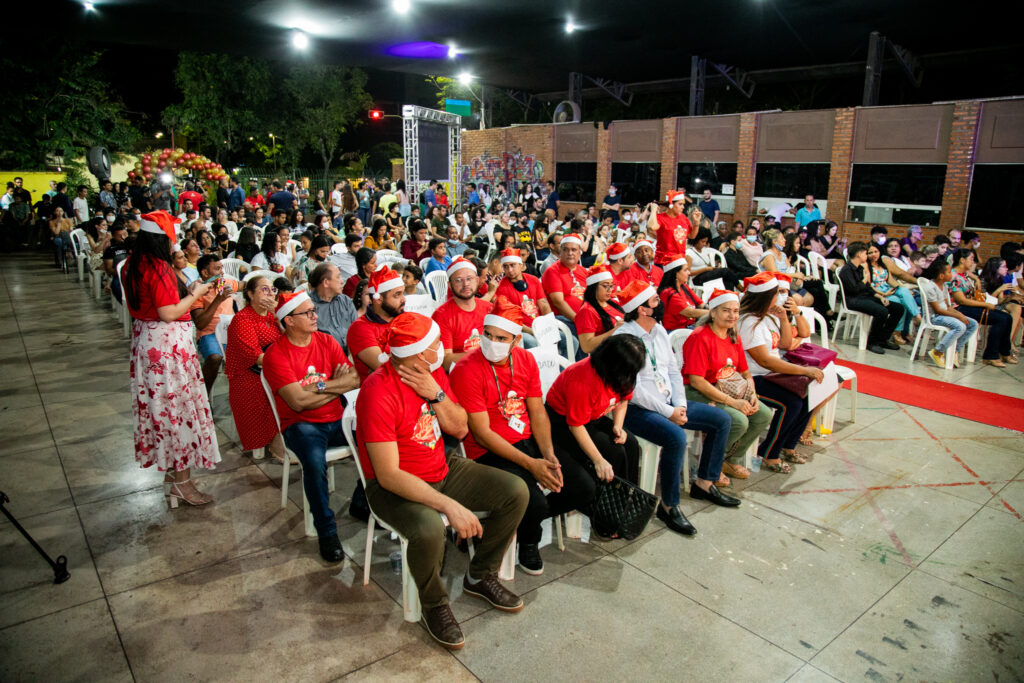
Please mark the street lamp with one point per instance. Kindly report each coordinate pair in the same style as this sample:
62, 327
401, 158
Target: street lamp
465, 79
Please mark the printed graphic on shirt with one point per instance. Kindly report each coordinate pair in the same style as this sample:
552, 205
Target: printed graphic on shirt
312, 377
529, 307
577, 288
775, 339
680, 234
727, 370
611, 405
473, 342
428, 429
512, 405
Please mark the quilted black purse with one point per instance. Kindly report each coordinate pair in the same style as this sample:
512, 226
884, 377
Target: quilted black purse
621, 510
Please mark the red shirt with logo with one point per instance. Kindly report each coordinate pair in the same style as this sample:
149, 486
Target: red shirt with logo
707, 354
675, 303
461, 330
588, 320
672, 234
389, 410
580, 396
636, 272
527, 300
500, 391
284, 363
571, 283
362, 334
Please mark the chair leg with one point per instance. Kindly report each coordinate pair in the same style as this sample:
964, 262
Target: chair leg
410, 593
865, 328
648, 465
330, 478
853, 400
574, 524
259, 454
917, 342
507, 570
285, 473
557, 520
370, 526
307, 515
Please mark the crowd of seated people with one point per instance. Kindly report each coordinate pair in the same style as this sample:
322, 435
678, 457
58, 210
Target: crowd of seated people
319, 310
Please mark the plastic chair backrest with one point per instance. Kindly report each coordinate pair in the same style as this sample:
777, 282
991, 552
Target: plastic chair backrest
818, 264
712, 285
221, 332
803, 265
570, 341
303, 287
233, 267
259, 272
420, 303
816, 323
842, 292
437, 286
926, 309
677, 338
119, 269
270, 398
423, 262
713, 257
78, 242
545, 331
348, 423
550, 364
338, 248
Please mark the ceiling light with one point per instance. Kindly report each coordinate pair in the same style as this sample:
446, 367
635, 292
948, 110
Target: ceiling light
453, 51
400, 6
465, 78
89, 7
300, 41
570, 26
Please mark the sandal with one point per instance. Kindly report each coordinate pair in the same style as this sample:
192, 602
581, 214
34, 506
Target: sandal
1011, 359
794, 457
996, 363
722, 481
806, 440
780, 467
735, 471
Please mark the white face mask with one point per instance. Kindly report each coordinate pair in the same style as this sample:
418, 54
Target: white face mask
781, 298
881, 239
494, 351
439, 352
625, 217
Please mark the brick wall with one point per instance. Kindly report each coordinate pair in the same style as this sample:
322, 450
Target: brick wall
669, 168
842, 164
962, 140
746, 165
604, 162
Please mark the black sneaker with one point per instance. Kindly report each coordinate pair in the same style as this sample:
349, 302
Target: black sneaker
530, 560
875, 348
330, 548
359, 508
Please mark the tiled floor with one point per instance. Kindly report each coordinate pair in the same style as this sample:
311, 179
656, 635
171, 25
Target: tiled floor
815, 577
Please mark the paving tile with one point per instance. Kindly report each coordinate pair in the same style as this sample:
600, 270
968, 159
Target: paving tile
35, 482
419, 661
24, 429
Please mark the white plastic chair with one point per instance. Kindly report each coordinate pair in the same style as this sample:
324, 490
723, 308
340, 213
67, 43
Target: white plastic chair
926, 327
338, 248
550, 364
713, 257
570, 340
827, 414
820, 269
803, 265
861, 322
437, 286
233, 268
420, 303
389, 256
545, 331
221, 331
423, 262
332, 456
80, 253
677, 338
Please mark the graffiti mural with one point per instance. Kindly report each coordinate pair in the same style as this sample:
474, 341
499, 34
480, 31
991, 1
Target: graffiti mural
512, 168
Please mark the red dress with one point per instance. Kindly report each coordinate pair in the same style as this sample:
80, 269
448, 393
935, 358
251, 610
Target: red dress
249, 334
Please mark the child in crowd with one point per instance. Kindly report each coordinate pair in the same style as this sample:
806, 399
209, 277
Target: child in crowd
412, 275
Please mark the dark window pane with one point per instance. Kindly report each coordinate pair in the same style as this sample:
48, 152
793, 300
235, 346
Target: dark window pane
576, 182
793, 181
637, 183
997, 197
919, 184
697, 177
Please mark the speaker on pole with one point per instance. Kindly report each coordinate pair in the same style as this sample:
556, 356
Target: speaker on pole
98, 159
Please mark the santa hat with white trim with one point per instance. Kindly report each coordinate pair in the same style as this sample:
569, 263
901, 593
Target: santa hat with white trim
784, 281
597, 274
678, 263
384, 280
573, 238
636, 294
511, 256
506, 315
410, 333
762, 282
675, 196
287, 302
722, 296
159, 223
617, 251
642, 243
460, 264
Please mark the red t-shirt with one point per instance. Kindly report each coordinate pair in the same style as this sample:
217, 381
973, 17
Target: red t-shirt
350, 286
636, 272
256, 201
461, 330
526, 300
158, 288
707, 354
621, 280
284, 363
588, 320
672, 235
194, 196
571, 283
580, 396
362, 334
389, 410
474, 381
675, 304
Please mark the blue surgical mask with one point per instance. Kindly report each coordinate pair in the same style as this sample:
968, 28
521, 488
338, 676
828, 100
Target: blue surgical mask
751, 238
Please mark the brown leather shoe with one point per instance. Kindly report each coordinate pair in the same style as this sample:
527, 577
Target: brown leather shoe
491, 590
442, 627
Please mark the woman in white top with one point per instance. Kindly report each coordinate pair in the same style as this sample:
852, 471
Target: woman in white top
775, 260
273, 255
763, 329
702, 269
898, 264
404, 207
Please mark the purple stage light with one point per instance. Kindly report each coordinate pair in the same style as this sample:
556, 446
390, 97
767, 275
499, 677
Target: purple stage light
422, 49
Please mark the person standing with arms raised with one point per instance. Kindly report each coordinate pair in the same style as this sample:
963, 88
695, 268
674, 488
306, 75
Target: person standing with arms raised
671, 228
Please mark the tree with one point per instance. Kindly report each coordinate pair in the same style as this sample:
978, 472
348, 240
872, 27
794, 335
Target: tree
59, 106
380, 155
224, 101
327, 100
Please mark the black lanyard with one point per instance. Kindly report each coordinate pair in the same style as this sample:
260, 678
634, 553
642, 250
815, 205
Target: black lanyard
511, 375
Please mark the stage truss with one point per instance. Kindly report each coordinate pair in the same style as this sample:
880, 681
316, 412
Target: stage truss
415, 185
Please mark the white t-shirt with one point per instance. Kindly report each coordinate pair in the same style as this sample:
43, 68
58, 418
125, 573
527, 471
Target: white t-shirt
81, 209
754, 332
932, 292
335, 201
260, 260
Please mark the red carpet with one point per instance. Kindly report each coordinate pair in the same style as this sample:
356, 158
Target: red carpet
942, 397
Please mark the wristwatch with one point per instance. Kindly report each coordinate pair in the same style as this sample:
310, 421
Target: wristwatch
437, 399
321, 387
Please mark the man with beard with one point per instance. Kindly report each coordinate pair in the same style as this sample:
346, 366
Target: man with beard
461, 318
367, 334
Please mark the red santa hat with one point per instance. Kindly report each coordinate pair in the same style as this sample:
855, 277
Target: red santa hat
678, 263
762, 282
410, 333
617, 251
460, 264
722, 296
573, 238
511, 256
636, 294
784, 281
383, 280
159, 223
597, 274
675, 196
506, 315
289, 301
642, 243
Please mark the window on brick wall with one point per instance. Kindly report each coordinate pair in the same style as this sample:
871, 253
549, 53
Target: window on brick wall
697, 177
791, 181
638, 183
900, 194
997, 197
576, 181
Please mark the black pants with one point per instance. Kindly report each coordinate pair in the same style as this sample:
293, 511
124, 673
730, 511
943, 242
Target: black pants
999, 326
728, 277
816, 289
624, 458
788, 422
884, 319
578, 489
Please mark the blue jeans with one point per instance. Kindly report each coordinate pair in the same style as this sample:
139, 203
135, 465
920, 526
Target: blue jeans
958, 333
649, 425
310, 441
910, 308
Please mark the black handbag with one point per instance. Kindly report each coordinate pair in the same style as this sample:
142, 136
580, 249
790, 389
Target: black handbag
621, 510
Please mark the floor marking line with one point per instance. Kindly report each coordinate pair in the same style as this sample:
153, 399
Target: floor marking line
893, 487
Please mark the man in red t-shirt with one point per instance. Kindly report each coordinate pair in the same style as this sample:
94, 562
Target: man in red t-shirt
566, 280
190, 194
619, 261
367, 333
461, 318
671, 228
307, 372
499, 386
402, 410
644, 267
206, 313
524, 290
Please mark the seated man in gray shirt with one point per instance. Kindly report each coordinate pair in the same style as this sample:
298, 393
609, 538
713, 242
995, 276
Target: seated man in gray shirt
335, 311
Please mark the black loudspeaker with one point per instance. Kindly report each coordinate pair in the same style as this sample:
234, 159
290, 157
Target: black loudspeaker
98, 159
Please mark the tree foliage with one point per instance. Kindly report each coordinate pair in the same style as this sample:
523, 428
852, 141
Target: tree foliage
59, 105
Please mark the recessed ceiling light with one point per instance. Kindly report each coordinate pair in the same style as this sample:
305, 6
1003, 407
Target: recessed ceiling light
570, 25
89, 7
300, 41
400, 6
453, 51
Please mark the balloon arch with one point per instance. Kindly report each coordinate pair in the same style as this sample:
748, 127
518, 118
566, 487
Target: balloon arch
176, 161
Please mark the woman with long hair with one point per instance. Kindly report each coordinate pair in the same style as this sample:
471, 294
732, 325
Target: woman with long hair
349, 201
379, 237
271, 255
1008, 297
247, 247
885, 285
404, 206
681, 305
968, 297
599, 315
366, 264
898, 264
174, 427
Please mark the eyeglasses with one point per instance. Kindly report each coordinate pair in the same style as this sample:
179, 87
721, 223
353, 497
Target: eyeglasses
310, 314
463, 280
268, 290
